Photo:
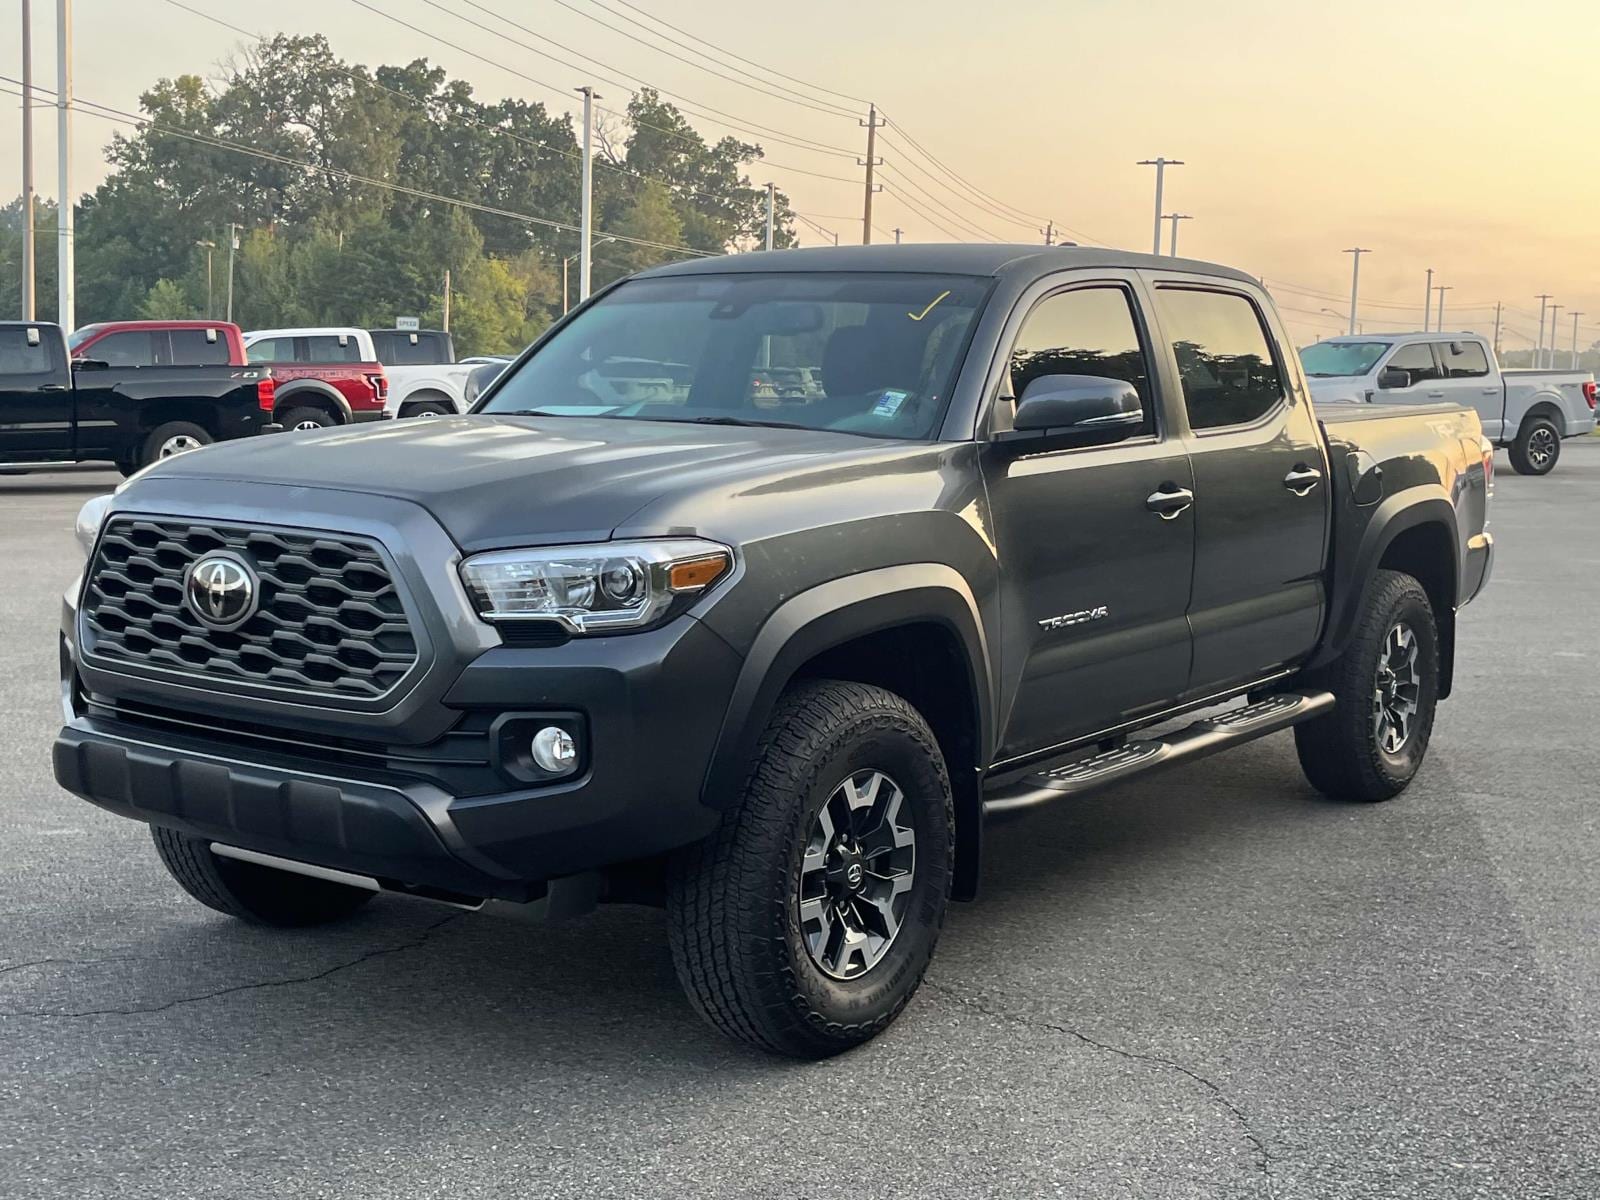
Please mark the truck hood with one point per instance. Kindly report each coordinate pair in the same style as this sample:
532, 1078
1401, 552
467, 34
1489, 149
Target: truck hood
495, 481
1339, 388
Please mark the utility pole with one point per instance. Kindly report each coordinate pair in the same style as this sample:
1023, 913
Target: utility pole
1355, 280
871, 162
1161, 165
586, 213
233, 244
1427, 303
1574, 316
772, 189
1538, 350
1049, 232
1442, 289
1497, 309
1554, 309
209, 247
1175, 218
28, 270
446, 321
64, 275
897, 232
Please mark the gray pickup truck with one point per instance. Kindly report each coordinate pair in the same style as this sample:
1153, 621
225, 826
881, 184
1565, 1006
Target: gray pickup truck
772, 662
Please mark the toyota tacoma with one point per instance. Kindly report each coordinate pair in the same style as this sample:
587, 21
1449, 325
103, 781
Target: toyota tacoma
640, 628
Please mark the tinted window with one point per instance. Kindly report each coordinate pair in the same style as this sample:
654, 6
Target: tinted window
133, 348
1418, 360
19, 358
1326, 360
1464, 360
269, 350
396, 349
858, 352
1085, 332
325, 348
190, 348
1224, 358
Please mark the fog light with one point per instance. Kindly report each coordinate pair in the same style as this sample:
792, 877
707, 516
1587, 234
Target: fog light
554, 750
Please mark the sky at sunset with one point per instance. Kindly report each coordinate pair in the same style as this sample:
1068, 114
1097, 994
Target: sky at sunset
1459, 136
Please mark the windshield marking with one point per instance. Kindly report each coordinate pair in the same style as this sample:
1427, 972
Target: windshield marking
932, 304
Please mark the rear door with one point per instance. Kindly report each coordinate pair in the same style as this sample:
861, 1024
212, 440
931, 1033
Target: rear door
36, 401
1096, 583
1468, 381
1261, 493
198, 348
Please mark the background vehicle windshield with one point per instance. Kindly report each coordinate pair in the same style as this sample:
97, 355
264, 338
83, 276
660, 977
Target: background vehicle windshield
859, 353
1327, 359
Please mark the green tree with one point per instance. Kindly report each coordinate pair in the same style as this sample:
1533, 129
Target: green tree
167, 300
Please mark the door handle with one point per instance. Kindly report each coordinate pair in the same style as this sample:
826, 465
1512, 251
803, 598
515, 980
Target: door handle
1169, 501
53, 387
1435, 395
1302, 479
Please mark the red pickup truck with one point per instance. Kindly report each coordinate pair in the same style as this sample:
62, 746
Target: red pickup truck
308, 395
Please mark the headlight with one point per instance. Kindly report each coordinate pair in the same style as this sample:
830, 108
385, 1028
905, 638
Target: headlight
90, 517
594, 589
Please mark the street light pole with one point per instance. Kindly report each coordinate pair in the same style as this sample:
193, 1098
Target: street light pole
1538, 350
772, 189
28, 268
1161, 165
1554, 309
1427, 303
1574, 316
1498, 307
1355, 280
233, 244
65, 296
586, 210
209, 247
1442, 289
1175, 218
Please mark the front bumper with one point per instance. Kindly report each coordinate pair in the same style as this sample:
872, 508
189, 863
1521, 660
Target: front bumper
651, 706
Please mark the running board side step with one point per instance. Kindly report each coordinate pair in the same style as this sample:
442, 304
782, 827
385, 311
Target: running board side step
1206, 736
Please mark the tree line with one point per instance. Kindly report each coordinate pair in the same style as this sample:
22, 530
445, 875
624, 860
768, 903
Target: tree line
333, 176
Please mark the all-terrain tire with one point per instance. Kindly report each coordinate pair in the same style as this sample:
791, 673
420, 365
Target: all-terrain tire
733, 900
1342, 753
1537, 448
251, 892
306, 418
175, 437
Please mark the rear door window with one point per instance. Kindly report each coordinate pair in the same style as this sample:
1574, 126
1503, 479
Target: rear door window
1418, 361
271, 350
19, 358
190, 348
326, 348
1464, 360
1225, 361
396, 349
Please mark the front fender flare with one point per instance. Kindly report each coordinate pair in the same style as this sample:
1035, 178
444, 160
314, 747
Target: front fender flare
830, 615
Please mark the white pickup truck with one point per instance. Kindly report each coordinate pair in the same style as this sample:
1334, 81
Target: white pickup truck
416, 388
1529, 412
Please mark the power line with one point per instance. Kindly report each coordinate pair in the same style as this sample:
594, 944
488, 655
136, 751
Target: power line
965, 223
923, 150
731, 54
906, 200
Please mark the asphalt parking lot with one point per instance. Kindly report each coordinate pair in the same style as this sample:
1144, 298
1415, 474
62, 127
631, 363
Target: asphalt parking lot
1211, 984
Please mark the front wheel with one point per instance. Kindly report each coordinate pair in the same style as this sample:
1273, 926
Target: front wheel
254, 893
1537, 447
307, 418
805, 922
1385, 687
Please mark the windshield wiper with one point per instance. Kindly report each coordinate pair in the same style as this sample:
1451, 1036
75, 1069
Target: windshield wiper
735, 421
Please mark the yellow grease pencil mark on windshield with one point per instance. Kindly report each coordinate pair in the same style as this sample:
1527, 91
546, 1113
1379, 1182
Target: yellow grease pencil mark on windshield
931, 306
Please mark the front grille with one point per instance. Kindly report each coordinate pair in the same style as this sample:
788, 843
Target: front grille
330, 620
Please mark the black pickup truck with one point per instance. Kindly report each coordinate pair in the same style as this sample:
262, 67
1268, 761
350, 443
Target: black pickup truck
54, 410
639, 629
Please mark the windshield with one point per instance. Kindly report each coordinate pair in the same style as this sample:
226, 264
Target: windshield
82, 335
872, 354
1327, 359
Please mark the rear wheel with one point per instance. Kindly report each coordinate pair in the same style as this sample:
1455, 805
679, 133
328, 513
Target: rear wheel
307, 418
428, 408
175, 437
1537, 447
805, 922
249, 891
1385, 687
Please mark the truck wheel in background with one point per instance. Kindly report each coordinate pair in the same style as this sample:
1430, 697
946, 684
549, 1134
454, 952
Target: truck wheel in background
307, 418
249, 891
427, 408
1385, 685
175, 437
1537, 447
805, 922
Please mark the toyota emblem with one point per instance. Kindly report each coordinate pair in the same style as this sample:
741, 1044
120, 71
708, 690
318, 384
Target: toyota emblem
222, 591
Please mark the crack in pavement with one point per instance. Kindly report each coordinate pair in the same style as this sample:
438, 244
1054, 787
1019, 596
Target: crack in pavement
66, 962
368, 956
1262, 1156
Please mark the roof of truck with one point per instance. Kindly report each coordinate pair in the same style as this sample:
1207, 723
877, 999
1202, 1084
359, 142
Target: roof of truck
936, 258
1457, 335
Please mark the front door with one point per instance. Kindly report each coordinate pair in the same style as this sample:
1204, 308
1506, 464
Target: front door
1261, 489
1466, 381
1096, 580
35, 396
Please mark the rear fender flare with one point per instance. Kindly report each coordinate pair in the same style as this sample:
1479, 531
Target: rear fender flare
830, 615
299, 391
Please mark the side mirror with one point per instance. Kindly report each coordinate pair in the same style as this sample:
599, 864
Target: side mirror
1394, 377
1078, 410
